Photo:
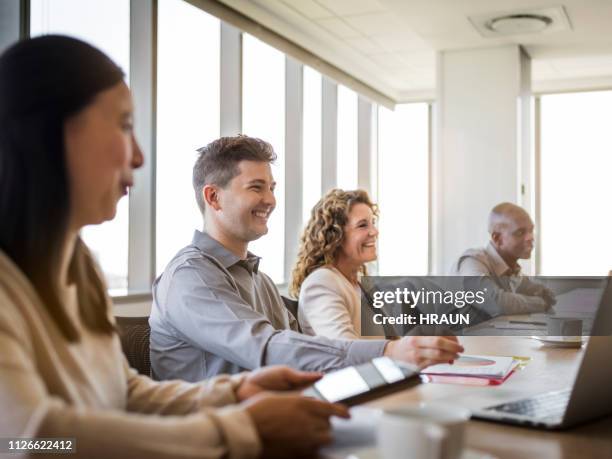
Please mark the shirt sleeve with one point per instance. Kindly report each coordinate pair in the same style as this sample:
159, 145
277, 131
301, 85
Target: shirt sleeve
530, 287
504, 302
324, 307
30, 410
207, 311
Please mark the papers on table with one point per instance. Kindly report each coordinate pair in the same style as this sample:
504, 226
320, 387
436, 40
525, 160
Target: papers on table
473, 369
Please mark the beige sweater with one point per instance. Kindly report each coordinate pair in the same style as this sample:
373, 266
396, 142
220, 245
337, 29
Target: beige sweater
52, 388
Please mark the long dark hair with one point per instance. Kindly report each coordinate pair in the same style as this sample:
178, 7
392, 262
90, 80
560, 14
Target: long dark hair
43, 82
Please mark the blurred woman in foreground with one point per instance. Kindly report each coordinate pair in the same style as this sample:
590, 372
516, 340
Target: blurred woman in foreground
67, 155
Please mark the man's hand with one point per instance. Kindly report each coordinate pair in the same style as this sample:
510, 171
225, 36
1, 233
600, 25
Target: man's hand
275, 378
292, 425
424, 351
545, 293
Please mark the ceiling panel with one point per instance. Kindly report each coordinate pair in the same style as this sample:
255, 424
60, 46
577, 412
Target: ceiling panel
373, 24
419, 58
400, 42
352, 7
543, 70
397, 34
389, 60
582, 62
339, 28
365, 45
309, 8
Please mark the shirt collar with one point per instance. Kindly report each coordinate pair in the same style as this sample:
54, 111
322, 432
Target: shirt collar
500, 267
214, 248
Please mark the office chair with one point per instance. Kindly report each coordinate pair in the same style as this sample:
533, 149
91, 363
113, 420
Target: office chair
134, 334
292, 307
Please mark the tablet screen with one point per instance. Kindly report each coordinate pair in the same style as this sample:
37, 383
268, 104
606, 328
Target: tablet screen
342, 384
349, 382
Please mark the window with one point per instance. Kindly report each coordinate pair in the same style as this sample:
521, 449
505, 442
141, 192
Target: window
105, 24
311, 141
188, 91
187, 111
403, 190
347, 139
575, 189
263, 116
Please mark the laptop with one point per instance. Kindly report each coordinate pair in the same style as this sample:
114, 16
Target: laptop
590, 396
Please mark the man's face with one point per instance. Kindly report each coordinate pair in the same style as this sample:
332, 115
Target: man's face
515, 237
247, 201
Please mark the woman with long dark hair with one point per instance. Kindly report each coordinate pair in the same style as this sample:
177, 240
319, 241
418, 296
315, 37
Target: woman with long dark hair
67, 155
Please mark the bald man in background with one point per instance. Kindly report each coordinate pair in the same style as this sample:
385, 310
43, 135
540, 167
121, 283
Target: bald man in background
511, 231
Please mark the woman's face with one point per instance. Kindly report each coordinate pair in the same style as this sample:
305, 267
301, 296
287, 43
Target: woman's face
360, 234
101, 154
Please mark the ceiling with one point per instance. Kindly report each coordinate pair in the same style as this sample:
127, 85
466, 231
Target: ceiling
391, 45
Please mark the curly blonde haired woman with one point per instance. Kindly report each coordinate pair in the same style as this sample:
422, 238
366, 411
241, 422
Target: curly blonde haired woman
339, 239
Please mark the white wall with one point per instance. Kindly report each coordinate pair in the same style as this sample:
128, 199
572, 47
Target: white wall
476, 158
136, 309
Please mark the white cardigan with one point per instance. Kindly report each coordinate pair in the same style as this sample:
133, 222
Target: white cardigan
329, 305
50, 387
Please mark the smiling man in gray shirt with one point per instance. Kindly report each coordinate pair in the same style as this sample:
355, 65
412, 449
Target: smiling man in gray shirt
215, 312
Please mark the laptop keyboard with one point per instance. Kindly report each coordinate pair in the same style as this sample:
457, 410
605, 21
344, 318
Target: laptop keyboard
550, 404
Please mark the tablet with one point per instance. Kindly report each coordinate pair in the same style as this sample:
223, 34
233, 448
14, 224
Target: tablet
362, 383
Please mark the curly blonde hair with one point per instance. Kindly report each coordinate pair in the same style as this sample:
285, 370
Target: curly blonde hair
324, 233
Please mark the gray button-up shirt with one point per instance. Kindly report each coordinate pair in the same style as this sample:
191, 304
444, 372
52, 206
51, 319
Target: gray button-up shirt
215, 313
513, 292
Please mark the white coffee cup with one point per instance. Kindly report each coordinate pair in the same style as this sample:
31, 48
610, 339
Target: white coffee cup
422, 432
564, 328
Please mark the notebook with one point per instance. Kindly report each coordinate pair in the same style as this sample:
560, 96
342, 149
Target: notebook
475, 366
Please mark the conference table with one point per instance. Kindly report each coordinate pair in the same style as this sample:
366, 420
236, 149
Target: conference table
549, 369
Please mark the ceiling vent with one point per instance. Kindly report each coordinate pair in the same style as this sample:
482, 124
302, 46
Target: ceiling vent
521, 22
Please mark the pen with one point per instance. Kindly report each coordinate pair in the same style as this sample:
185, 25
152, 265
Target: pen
526, 322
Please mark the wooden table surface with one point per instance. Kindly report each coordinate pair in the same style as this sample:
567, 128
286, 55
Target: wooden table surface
549, 369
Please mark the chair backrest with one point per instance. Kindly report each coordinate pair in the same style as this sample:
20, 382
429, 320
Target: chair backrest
292, 307
134, 334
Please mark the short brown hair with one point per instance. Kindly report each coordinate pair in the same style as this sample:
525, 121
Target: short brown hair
217, 162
